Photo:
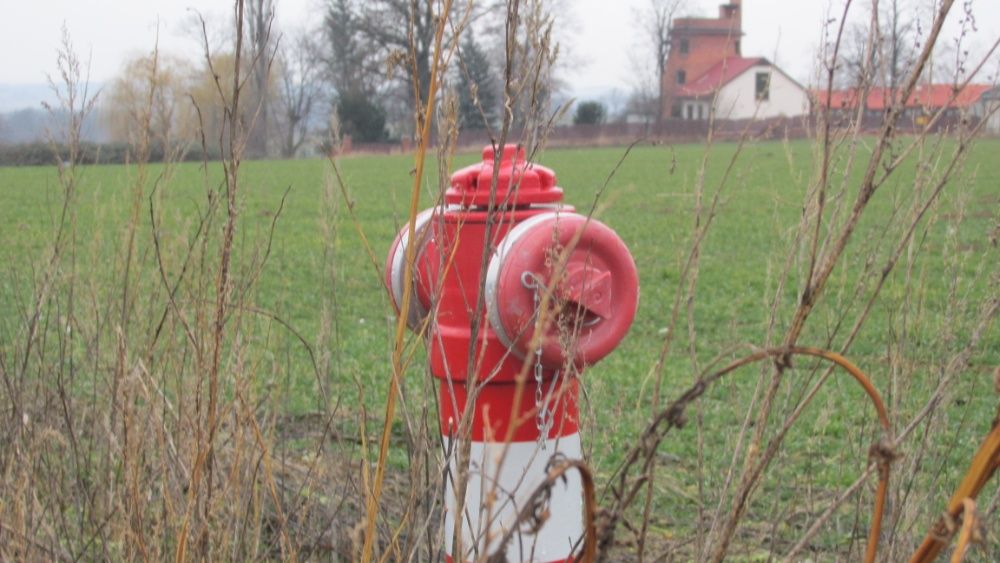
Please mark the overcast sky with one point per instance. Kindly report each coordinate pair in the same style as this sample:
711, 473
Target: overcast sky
601, 38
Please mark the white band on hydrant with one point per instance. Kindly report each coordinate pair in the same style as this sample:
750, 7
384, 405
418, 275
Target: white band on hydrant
495, 496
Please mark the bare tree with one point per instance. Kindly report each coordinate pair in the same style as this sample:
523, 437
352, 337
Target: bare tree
300, 90
656, 20
533, 53
150, 96
898, 50
369, 38
952, 61
397, 36
355, 67
477, 86
892, 51
350, 59
263, 48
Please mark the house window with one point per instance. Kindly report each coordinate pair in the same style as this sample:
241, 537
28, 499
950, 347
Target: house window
690, 111
737, 46
681, 77
762, 86
684, 46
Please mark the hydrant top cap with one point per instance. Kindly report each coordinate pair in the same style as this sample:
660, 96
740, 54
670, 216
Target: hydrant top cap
519, 182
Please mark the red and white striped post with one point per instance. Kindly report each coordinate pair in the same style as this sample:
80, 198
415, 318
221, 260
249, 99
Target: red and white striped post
525, 410
501, 474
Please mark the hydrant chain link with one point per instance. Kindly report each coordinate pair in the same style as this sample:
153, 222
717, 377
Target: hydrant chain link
543, 418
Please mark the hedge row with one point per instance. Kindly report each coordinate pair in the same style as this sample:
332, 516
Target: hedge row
35, 154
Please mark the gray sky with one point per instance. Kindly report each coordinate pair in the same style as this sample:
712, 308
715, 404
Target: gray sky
601, 37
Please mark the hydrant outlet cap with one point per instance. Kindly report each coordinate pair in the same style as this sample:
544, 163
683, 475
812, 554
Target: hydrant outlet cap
519, 182
593, 281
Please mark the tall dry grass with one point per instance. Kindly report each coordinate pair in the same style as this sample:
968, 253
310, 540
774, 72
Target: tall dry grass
137, 427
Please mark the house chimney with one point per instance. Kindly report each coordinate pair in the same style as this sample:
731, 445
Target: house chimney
731, 11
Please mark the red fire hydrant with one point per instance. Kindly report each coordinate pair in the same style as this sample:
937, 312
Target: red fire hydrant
525, 389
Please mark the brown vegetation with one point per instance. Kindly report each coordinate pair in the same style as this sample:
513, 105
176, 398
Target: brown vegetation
137, 427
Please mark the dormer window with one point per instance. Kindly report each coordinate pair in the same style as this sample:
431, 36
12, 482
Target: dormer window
762, 86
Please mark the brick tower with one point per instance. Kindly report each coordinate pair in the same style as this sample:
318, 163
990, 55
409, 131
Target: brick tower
696, 45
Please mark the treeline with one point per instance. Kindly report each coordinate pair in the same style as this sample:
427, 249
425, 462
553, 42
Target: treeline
361, 71
362, 67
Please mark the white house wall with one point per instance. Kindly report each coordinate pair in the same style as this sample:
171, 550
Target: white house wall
988, 109
993, 125
737, 98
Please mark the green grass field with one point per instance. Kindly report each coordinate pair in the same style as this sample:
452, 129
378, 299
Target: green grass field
317, 260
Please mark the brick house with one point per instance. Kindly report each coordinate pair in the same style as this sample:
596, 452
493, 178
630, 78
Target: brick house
705, 65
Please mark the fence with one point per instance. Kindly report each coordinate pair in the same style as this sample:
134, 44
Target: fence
676, 131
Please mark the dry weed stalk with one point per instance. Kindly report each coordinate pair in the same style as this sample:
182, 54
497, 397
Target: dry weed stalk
424, 121
823, 256
825, 230
529, 54
232, 142
141, 431
137, 430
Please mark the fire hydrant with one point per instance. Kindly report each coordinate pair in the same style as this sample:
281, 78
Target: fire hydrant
483, 310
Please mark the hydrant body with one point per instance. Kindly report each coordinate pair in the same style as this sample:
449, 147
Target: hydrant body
483, 266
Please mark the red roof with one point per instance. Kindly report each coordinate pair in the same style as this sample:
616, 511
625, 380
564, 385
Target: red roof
928, 95
719, 75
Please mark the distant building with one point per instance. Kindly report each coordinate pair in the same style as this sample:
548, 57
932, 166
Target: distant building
743, 88
989, 108
705, 66
925, 101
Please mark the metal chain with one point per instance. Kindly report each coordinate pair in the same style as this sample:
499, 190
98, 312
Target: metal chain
543, 418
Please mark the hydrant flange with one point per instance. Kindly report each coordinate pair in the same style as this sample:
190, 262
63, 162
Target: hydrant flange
395, 269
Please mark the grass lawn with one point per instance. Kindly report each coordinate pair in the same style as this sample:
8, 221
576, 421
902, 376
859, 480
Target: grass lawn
316, 261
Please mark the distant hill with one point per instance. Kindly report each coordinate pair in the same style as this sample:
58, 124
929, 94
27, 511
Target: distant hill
24, 96
24, 120
31, 125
